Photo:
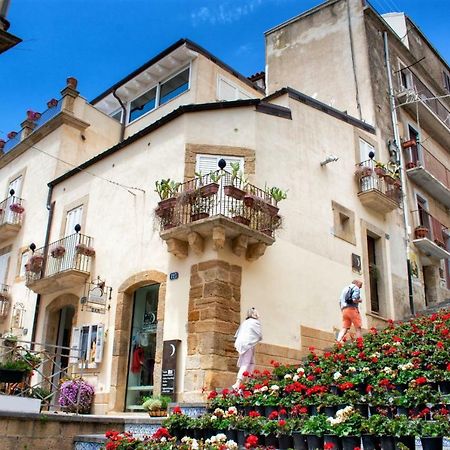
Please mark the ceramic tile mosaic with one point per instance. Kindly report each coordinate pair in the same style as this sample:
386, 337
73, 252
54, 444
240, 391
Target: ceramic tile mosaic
141, 429
193, 411
88, 446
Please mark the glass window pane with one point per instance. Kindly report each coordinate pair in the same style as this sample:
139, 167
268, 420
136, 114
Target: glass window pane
175, 86
117, 115
143, 104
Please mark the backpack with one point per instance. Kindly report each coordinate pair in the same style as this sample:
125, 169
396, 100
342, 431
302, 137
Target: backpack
349, 296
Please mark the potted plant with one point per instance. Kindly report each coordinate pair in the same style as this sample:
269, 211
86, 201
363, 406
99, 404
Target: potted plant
32, 115
380, 169
16, 208
58, 251
35, 263
231, 190
76, 395
156, 406
84, 249
2, 144
52, 103
241, 214
166, 189
13, 371
177, 423
421, 232
12, 134
431, 432
314, 428
201, 208
409, 143
72, 82
363, 171
213, 187
410, 165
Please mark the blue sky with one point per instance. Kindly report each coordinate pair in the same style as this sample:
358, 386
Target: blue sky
101, 41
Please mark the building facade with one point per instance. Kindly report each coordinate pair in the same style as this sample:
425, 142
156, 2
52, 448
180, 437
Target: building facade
130, 282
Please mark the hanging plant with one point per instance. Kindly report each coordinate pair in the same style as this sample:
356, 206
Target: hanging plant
83, 249
12, 134
32, 115
52, 103
16, 208
35, 263
58, 251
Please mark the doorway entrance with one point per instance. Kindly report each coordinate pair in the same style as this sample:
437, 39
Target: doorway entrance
141, 361
373, 275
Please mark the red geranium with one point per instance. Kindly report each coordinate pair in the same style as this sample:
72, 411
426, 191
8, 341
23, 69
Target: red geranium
177, 410
212, 395
254, 414
251, 441
328, 445
273, 415
420, 380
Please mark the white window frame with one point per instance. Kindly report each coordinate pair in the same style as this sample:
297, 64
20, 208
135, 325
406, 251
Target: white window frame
76, 345
158, 90
237, 88
402, 69
225, 157
24, 256
367, 145
72, 231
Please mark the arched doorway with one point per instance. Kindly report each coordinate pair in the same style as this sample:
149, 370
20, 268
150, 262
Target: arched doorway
123, 346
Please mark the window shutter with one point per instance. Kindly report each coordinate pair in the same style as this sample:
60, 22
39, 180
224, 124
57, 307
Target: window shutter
74, 354
365, 148
209, 163
73, 217
99, 343
16, 184
4, 263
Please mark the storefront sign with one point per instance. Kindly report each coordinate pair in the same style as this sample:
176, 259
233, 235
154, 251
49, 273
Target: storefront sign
169, 368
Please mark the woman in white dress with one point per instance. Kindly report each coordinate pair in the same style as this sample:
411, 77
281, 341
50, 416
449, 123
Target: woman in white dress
247, 336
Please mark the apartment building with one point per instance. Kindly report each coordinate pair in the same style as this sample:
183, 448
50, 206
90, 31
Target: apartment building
152, 293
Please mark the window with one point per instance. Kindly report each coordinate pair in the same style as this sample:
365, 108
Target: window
117, 115
23, 259
406, 78
87, 345
73, 218
143, 104
4, 263
159, 95
344, 223
16, 186
446, 77
364, 149
210, 163
173, 87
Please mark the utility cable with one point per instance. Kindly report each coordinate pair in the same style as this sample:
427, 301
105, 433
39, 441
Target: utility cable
115, 183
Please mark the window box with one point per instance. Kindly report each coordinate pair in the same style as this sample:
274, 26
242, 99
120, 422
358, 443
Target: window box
234, 192
408, 144
242, 220
259, 204
421, 232
199, 216
209, 190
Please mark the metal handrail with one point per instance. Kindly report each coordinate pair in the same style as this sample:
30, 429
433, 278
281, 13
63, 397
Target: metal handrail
436, 231
230, 197
59, 256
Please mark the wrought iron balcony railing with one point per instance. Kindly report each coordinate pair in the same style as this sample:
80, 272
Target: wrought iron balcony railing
229, 196
427, 226
73, 252
11, 210
373, 177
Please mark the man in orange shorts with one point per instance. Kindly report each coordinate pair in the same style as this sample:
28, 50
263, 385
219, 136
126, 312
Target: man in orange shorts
349, 300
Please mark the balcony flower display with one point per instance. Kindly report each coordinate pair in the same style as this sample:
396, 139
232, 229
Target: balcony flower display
2, 144
76, 395
12, 134
363, 171
58, 251
33, 115
52, 103
16, 208
35, 263
83, 249
232, 190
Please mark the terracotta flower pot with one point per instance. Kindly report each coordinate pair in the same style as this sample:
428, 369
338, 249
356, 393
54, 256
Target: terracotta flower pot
234, 192
410, 165
421, 232
209, 190
72, 82
242, 220
408, 144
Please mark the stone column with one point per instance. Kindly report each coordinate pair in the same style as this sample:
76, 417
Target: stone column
213, 318
27, 128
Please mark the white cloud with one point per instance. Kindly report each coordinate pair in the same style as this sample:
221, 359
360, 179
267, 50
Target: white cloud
224, 13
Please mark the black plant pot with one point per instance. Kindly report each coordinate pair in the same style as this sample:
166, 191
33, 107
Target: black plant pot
400, 387
247, 409
271, 441
431, 443
313, 410
197, 433
299, 441
444, 387
334, 390
402, 410
330, 411
350, 442
361, 388
261, 410
314, 442
333, 440
370, 442
408, 441
208, 432
387, 442
362, 408
12, 375
231, 435
285, 442
241, 436
181, 432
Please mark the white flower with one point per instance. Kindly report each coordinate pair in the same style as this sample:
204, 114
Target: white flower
194, 444
213, 417
264, 389
351, 369
274, 387
288, 376
387, 370
295, 378
336, 376
219, 412
300, 370
231, 445
397, 344
221, 437
365, 370
375, 355
232, 410
163, 439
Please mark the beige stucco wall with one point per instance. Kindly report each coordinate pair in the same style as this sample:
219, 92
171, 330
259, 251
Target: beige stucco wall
298, 280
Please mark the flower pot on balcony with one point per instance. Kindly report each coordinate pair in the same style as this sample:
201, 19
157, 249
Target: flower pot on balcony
208, 190
58, 251
388, 179
199, 216
72, 82
242, 220
408, 144
35, 263
421, 232
2, 144
410, 165
12, 375
234, 192
53, 103
363, 171
157, 413
380, 171
83, 249
16, 208
432, 443
12, 134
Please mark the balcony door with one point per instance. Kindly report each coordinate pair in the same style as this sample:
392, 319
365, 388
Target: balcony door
412, 153
16, 186
4, 263
140, 377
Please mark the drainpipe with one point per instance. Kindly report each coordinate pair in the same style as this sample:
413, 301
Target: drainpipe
402, 170
50, 208
124, 111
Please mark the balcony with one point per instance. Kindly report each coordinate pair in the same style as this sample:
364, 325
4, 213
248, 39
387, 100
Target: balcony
11, 214
434, 115
227, 210
38, 121
377, 190
431, 237
63, 264
428, 172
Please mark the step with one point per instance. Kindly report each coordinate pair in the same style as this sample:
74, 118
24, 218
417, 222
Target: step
89, 442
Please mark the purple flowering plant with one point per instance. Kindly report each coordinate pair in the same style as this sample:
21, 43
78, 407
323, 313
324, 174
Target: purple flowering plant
75, 392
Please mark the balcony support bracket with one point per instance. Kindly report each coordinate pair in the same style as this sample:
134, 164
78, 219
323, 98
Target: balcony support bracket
177, 247
196, 242
255, 251
240, 244
218, 237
